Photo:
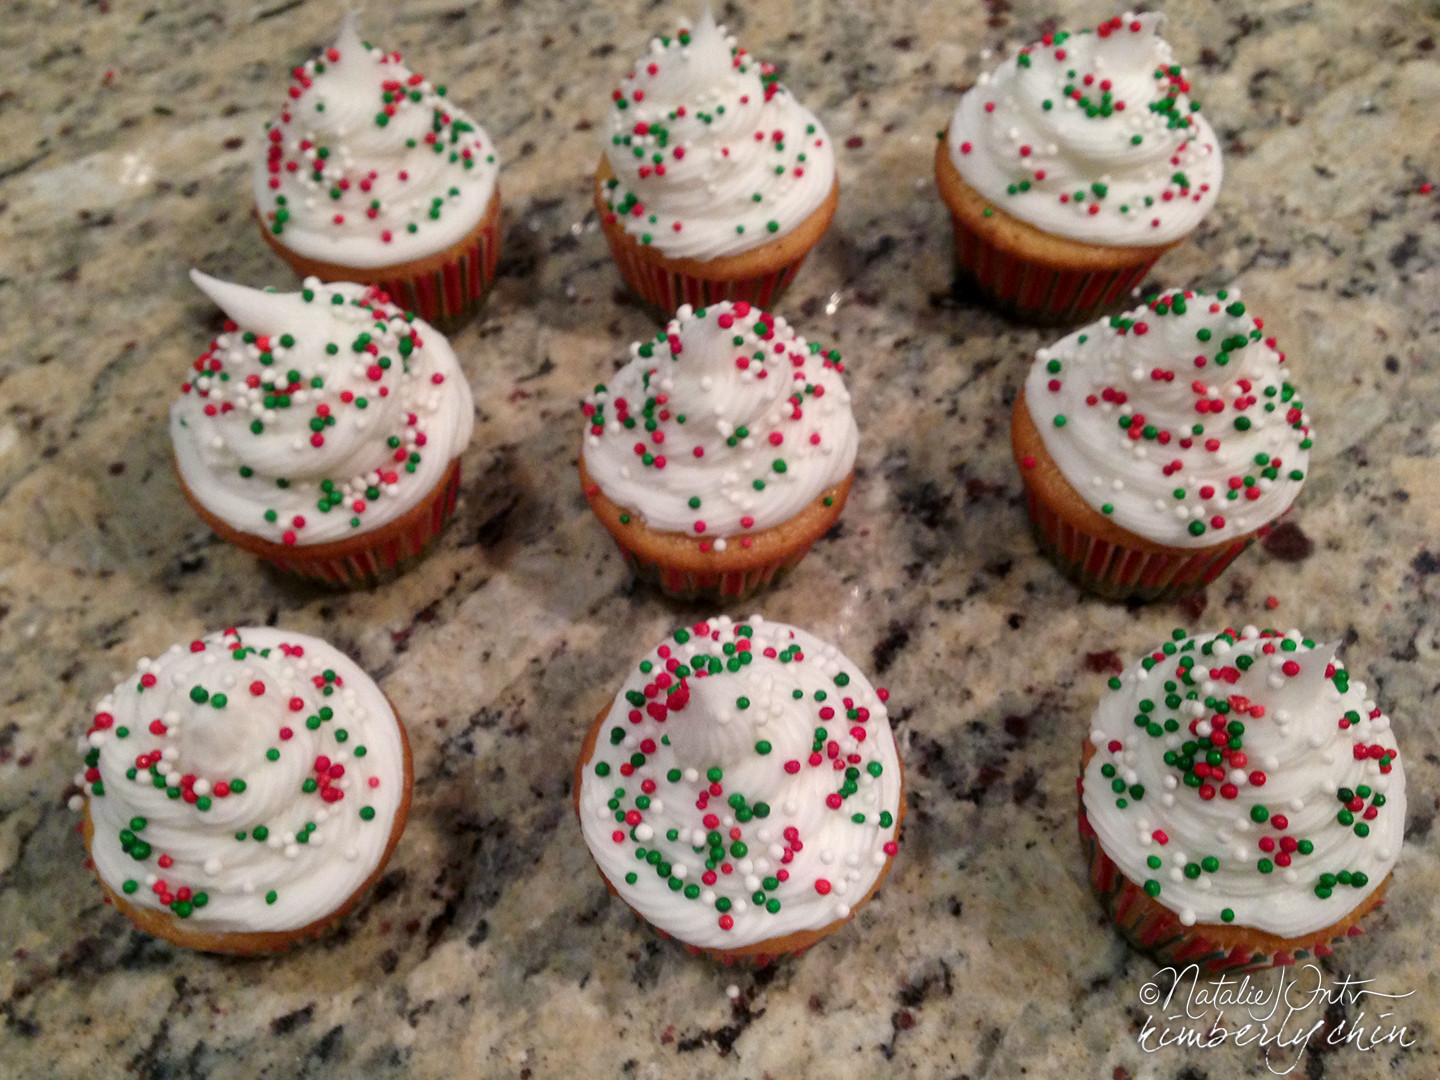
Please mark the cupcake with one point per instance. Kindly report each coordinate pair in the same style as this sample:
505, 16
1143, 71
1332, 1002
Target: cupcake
371, 175
714, 183
1242, 801
1154, 446
322, 430
742, 793
242, 791
720, 452
1074, 166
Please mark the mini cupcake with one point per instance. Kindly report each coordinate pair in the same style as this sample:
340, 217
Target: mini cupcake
1074, 166
371, 175
1154, 446
1242, 801
242, 791
322, 430
721, 452
743, 793
714, 183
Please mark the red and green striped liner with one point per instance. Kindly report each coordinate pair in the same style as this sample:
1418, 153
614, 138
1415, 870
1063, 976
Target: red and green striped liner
1116, 572
717, 585
379, 562
1037, 293
451, 294
667, 289
1154, 929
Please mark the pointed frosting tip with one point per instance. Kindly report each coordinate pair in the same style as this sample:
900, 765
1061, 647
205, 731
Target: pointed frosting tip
1153, 21
219, 292
349, 36
706, 22
252, 308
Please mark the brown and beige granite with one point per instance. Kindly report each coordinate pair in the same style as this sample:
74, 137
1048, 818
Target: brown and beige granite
491, 948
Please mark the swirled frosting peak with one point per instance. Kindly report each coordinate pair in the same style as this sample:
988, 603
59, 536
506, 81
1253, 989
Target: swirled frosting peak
368, 164
319, 413
711, 155
744, 786
1246, 778
1091, 135
1176, 419
727, 422
247, 780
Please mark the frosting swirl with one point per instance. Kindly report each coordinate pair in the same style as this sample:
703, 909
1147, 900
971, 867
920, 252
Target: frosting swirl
1175, 419
727, 422
317, 414
1091, 136
711, 155
1246, 778
247, 781
368, 164
751, 764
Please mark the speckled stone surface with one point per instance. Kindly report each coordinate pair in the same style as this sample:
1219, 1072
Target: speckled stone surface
490, 947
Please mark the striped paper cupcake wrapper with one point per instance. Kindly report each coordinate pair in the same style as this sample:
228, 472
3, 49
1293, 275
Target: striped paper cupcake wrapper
667, 289
1152, 928
709, 585
450, 295
1116, 572
382, 561
1036, 293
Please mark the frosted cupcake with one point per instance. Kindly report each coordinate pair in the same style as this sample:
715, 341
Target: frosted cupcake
721, 452
322, 430
1073, 167
372, 175
742, 793
715, 182
1156, 445
242, 791
1242, 803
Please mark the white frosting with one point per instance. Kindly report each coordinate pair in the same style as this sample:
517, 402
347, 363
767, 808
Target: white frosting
369, 463
740, 424
338, 185
1205, 391
741, 733
711, 156
1119, 160
1302, 729
199, 749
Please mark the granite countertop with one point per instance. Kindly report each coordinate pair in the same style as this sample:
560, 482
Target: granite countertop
490, 947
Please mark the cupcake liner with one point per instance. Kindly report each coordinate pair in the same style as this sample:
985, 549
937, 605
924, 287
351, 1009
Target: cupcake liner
1155, 929
383, 559
357, 561
758, 275
681, 584
668, 288
449, 295
1038, 293
1120, 572
690, 568
445, 289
